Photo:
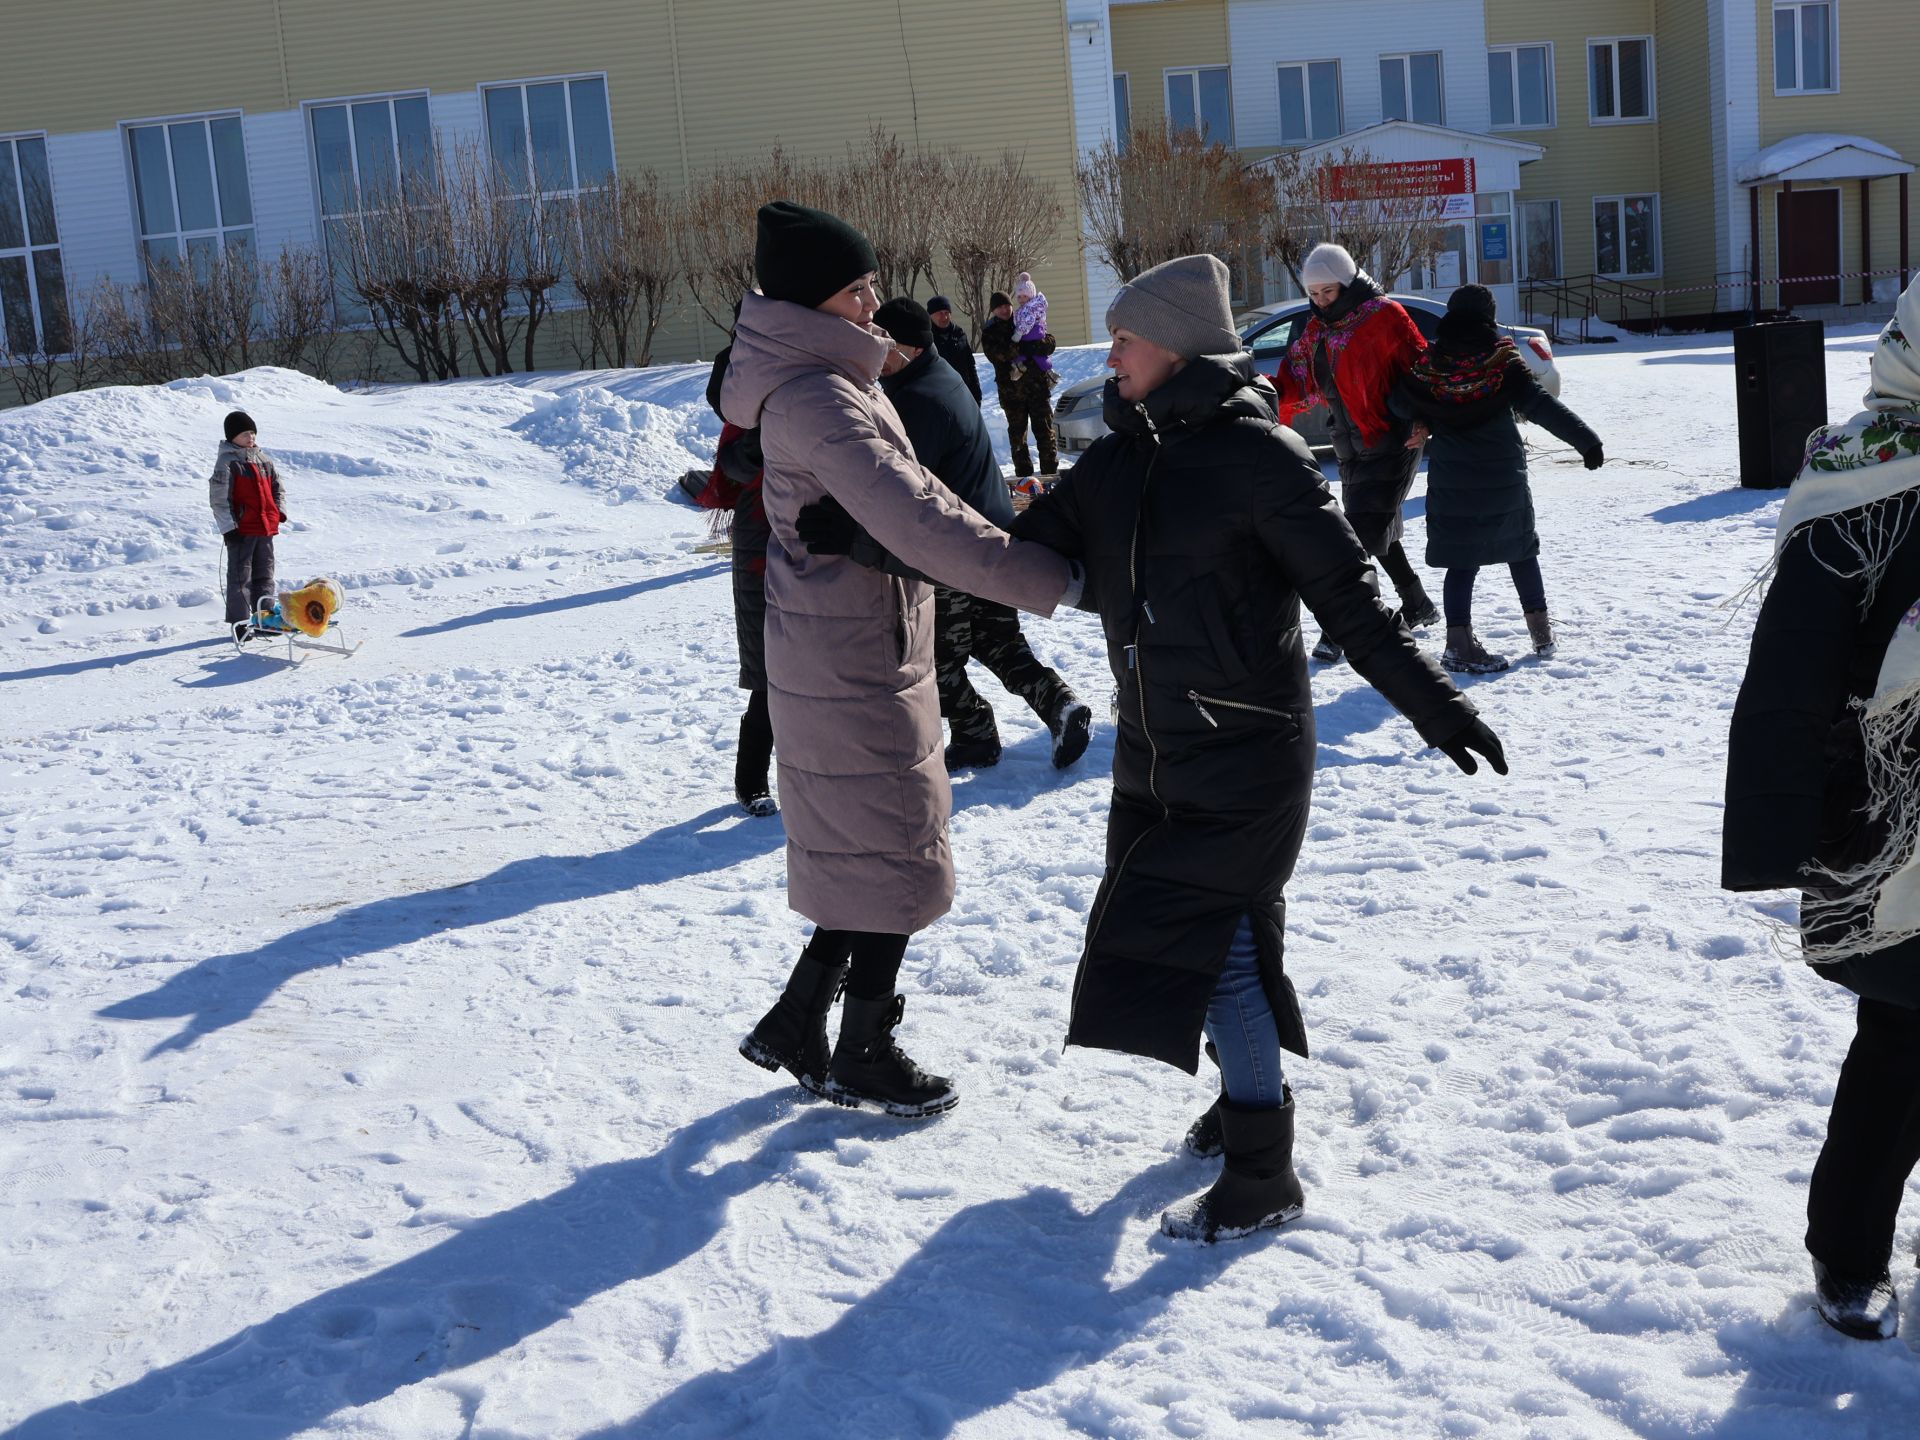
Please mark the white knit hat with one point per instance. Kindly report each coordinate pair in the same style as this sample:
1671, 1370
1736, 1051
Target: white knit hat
1328, 265
1024, 288
1896, 362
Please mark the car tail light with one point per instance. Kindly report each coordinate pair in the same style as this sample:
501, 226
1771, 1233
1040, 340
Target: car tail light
1540, 347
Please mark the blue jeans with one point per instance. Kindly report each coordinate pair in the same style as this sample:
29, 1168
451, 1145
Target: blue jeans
1457, 595
1240, 1023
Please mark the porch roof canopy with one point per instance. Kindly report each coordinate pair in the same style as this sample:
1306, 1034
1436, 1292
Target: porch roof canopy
1824, 157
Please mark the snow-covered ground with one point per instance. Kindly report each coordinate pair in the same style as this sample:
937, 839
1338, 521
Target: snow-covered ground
367, 1047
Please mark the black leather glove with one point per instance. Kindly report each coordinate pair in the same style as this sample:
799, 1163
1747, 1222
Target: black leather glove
1595, 458
231, 538
825, 527
1460, 748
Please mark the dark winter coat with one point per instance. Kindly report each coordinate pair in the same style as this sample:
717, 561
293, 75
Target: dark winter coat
1004, 350
1796, 775
949, 434
1202, 524
1479, 506
735, 486
952, 344
245, 491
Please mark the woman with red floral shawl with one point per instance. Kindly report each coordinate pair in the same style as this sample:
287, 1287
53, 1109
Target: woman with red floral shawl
1355, 345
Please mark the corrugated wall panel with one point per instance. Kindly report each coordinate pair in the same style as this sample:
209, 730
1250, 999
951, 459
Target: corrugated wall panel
1267, 32
1688, 207
94, 209
283, 209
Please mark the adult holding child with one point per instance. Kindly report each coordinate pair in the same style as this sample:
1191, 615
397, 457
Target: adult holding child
849, 654
1355, 345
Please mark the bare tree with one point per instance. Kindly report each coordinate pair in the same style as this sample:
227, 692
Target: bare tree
1389, 222
546, 244
997, 223
64, 352
714, 227
398, 258
1167, 195
626, 268
898, 198
297, 330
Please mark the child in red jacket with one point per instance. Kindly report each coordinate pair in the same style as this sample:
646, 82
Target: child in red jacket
246, 496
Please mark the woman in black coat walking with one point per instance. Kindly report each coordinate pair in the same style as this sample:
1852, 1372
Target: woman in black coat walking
1823, 796
1202, 524
1466, 390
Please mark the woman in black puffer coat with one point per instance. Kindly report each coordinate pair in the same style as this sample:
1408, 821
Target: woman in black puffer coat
1466, 390
1202, 524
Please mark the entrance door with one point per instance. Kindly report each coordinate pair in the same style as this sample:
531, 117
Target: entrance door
1807, 237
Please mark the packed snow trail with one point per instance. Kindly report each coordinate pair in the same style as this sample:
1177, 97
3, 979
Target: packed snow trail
368, 1060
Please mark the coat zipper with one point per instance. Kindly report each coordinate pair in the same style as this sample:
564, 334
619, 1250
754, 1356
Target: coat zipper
1153, 750
1200, 703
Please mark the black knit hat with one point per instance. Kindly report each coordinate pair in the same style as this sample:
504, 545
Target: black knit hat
997, 299
938, 302
806, 255
238, 423
906, 321
1475, 301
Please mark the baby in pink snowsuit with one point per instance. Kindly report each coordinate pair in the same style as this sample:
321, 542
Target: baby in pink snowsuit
1030, 323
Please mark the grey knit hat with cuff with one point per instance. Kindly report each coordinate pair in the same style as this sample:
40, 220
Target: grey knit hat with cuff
1182, 306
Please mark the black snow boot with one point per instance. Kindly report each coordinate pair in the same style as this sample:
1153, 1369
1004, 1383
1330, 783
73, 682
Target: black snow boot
972, 754
793, 1033
1865, 1308
1327, 652
753, 758
1418, 609
1072, 727
868, 1067
1256, 1191
1203, 1136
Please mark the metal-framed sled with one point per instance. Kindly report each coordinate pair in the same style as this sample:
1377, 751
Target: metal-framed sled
300, 617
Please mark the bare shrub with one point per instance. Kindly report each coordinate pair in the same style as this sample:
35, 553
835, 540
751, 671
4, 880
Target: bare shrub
998, 219
398, 260
1390, 232
1167, 195
626, 268
296, 324
898, 197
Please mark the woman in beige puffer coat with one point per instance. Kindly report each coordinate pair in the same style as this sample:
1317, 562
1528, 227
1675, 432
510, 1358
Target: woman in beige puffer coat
851, 691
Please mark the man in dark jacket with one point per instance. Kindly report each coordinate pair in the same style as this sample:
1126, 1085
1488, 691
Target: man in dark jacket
951, 341
950, 438
1214, 756
1028, 400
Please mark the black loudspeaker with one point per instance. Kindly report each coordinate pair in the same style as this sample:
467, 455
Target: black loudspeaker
1781, 375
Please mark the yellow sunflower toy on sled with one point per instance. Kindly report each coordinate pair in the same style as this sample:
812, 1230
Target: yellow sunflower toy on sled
308, 611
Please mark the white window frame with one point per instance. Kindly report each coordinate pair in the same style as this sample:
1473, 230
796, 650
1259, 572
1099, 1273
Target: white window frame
1520, 204
1305, 67
180, 236
27, 248
1659, 259
1612, 42
1553, 98
1799, 52
1230, 140
1406, 59
573, 149
1122, 134
346, 310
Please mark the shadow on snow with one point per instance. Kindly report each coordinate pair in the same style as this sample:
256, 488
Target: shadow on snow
566, 602
224, 990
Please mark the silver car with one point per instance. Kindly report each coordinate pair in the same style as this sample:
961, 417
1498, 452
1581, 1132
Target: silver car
1268, 333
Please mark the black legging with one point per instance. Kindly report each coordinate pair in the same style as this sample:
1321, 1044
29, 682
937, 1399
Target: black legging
876, 959
756, 746
1873, 1143
1400, 570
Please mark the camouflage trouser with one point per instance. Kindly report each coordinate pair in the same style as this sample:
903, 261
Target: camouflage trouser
1027, 405
967, 627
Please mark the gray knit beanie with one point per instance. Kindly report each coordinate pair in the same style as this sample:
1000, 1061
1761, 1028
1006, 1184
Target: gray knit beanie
1180, 306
